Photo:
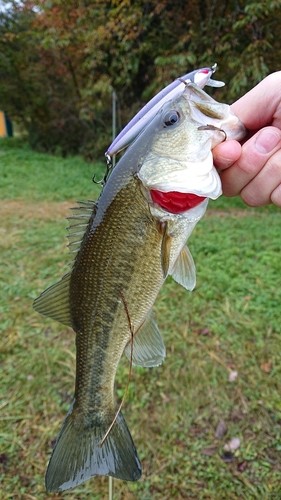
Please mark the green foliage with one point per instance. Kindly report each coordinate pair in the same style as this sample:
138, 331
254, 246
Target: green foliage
60, 61
230, 322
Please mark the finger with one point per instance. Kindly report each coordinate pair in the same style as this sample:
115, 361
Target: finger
255, 154
226, 153
260, 190
261, 105
276, 196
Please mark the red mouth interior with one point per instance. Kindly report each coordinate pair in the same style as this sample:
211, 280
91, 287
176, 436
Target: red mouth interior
175, 202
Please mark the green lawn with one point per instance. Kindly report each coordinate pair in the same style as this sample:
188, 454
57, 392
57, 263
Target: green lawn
229, 323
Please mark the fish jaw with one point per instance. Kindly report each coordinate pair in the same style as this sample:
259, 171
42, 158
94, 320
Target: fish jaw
208, 111
198, 178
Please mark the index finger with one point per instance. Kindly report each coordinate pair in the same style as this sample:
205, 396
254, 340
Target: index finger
261, 106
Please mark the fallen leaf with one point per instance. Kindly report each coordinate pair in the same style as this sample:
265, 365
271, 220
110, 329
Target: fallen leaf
232, 445
204, 331
232, 376
209, 451
242, 466
227, 457
3, 458
266, 367
221, 429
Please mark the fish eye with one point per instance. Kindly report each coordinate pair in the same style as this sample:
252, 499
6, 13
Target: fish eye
171, 118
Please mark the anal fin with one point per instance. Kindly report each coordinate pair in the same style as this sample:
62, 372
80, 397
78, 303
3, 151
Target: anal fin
148, 346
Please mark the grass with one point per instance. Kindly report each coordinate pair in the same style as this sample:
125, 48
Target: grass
229, 323
58, 179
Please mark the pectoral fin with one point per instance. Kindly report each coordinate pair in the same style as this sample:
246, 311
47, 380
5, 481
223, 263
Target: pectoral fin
165, 247
54, 301
184, 271
148, 346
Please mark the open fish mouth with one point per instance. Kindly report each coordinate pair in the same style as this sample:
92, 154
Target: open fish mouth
174, 201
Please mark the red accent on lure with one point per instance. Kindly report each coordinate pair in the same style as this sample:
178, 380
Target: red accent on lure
175, 202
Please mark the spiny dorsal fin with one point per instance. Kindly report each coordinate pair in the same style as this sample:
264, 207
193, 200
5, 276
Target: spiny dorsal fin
54, 301
79, 222
184, 271
148, 346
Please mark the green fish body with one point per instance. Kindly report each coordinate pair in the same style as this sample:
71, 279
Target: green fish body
126, 244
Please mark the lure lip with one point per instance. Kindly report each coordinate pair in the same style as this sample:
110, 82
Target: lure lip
200, 76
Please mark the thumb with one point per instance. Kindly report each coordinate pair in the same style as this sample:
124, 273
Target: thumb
226, 153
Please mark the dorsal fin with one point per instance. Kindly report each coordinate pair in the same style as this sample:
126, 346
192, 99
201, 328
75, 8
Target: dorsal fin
148, 346
79, 221
54, 301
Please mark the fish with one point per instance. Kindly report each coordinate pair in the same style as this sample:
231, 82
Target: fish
200, 76
125, 245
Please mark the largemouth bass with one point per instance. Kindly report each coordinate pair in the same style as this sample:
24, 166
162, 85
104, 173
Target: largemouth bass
126, 244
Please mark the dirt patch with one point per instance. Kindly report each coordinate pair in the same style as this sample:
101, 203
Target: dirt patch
57, 210
44, 210
232, 212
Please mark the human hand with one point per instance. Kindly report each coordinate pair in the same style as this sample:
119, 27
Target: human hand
253, 170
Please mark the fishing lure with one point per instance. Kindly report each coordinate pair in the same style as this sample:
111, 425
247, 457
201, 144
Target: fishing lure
200, 76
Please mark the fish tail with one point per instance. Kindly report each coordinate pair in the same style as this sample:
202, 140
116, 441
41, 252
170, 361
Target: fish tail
78, 454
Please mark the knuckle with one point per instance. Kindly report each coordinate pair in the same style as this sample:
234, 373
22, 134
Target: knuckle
249, 200
249, 164
276, 196
274, 166
252, 197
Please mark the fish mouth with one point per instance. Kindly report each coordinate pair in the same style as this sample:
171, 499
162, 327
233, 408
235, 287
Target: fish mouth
176, 202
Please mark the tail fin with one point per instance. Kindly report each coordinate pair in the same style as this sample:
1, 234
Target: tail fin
77, 455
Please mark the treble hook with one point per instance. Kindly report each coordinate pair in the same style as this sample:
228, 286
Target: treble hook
109, 167
212, 127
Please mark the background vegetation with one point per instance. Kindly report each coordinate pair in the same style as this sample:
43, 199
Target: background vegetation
227, 329
60, 61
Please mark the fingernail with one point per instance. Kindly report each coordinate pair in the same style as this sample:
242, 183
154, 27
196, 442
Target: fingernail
266, 141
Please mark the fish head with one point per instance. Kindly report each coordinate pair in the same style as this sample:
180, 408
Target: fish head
179, 159
200, 76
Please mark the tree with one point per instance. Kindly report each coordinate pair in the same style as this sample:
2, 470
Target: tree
60, 61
